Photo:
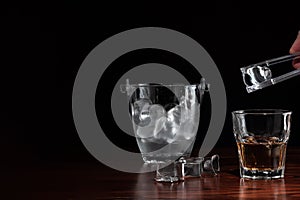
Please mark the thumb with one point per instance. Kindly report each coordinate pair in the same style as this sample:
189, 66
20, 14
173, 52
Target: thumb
296, 45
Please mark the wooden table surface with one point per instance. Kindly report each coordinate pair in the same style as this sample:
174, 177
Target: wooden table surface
92, 180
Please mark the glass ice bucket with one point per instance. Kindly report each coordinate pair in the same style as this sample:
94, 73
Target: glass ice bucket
165, 118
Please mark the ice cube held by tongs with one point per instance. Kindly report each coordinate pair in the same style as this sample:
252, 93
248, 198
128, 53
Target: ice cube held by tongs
259, 75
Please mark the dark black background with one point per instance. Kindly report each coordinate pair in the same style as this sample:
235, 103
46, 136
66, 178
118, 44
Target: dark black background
43, 46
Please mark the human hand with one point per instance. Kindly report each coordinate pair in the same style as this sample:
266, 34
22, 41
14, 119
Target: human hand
296, 48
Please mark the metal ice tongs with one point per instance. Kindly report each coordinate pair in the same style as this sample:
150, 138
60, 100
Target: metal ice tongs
258, 76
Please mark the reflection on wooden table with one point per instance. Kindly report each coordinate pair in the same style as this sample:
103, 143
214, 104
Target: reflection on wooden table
92, 180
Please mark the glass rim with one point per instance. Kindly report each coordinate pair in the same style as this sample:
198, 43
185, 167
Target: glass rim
261, 111
202, 86
163, 85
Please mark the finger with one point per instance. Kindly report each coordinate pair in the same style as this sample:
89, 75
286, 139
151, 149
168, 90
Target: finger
296, 63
